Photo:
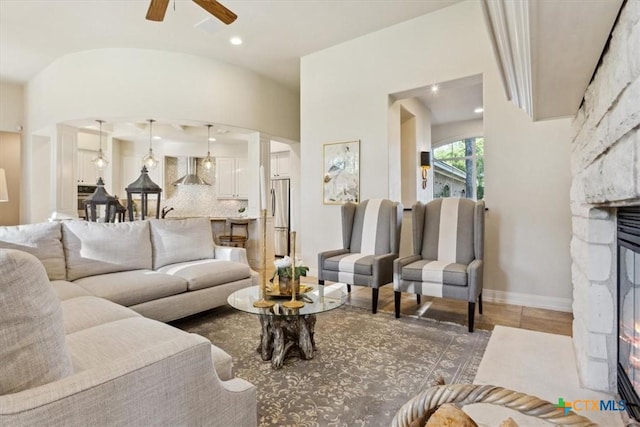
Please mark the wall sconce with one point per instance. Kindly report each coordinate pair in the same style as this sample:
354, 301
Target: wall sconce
425, 165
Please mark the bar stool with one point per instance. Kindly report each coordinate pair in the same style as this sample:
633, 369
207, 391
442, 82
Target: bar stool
234, 239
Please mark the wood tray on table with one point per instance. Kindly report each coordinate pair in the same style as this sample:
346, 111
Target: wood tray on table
273, 291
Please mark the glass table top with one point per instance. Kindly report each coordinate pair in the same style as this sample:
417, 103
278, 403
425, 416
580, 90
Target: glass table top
319, 299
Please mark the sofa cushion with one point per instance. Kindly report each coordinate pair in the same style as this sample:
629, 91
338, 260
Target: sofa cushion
67, 290
133, 287
43, 240
351, 263
86, 312
32, 338
207, 273
96, 248
125, 338
426, 270
180, 240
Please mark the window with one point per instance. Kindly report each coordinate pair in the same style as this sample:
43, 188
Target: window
459, 169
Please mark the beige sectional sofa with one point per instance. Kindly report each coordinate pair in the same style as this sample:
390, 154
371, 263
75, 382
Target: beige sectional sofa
107, 282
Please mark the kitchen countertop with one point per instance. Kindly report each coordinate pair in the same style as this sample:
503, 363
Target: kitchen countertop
213, 218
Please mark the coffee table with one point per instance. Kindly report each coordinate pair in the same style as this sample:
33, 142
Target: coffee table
285, 330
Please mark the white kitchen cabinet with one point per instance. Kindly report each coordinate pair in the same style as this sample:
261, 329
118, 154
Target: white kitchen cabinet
280, 164
87, 173
231, 178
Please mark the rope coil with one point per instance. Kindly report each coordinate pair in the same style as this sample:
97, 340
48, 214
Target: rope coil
465, 394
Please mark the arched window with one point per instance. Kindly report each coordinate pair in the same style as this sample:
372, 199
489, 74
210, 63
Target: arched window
459, 169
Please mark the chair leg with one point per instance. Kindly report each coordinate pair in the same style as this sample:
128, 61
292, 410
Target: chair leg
349, 288
418, 298
397, 295
480, 303
472, 312
374, 300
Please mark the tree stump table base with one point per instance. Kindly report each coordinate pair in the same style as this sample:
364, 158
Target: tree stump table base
282, 335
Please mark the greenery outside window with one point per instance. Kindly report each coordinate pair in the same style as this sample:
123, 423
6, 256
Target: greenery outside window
459, 169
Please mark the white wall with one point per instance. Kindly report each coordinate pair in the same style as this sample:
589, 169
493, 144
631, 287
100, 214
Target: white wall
11, 107
405, 184
11, 120
448, 132
10, 162
344, 95
137, 84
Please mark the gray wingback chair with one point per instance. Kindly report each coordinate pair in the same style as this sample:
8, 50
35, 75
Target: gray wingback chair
448, 252
370, 243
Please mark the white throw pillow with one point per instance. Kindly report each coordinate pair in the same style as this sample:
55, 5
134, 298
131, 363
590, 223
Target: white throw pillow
43, 240
33, 350
179, 240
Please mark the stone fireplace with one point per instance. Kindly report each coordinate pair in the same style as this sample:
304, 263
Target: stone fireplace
605, 165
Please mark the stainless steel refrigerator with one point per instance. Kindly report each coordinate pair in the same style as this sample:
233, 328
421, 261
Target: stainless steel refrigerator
281, 212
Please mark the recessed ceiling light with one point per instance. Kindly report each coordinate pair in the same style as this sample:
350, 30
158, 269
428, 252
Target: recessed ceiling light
236, 41
434, 88
478, 110
157, 137
212, 139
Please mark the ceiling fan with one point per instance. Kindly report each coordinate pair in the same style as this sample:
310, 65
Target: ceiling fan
157, 9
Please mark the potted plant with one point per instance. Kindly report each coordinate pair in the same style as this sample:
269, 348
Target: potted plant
288, 276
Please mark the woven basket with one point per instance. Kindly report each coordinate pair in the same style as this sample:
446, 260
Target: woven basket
465, 394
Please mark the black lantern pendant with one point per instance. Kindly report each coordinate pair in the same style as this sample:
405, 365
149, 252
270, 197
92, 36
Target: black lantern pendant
143, 186
97, 198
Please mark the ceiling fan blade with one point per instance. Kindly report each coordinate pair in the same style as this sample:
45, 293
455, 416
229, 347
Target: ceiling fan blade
157, 9
217, 10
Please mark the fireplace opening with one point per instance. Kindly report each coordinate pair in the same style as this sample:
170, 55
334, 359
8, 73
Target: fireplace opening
629, 308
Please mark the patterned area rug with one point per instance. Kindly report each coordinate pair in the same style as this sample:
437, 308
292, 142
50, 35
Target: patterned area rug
365, 367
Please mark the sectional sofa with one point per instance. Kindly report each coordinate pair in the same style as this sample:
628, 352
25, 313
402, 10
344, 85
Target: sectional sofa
81, 335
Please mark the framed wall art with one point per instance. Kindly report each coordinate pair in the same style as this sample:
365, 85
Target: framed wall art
341, 172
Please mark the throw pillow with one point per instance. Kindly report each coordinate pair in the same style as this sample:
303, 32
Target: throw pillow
33, 350
179, 240
43, 240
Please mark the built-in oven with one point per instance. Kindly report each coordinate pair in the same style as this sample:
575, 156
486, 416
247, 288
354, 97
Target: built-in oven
84, 191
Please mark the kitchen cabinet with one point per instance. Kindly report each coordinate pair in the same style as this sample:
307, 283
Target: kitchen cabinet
87, 173
280, 164
231, 178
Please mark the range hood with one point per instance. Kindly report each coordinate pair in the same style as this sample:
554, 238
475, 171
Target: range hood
191, 178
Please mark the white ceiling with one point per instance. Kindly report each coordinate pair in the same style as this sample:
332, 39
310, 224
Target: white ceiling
276, 33
453, 101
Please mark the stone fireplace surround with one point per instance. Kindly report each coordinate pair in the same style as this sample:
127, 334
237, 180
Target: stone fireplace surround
605, 167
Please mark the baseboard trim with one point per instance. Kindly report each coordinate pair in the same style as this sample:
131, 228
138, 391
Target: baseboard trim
528, 300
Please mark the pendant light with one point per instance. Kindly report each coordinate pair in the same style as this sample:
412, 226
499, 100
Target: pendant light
208, 161
149, 159
101, 161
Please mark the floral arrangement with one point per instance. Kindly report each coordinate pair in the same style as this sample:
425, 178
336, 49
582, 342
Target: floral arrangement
284, 269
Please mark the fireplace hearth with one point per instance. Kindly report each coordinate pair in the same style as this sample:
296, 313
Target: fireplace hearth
629, 308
